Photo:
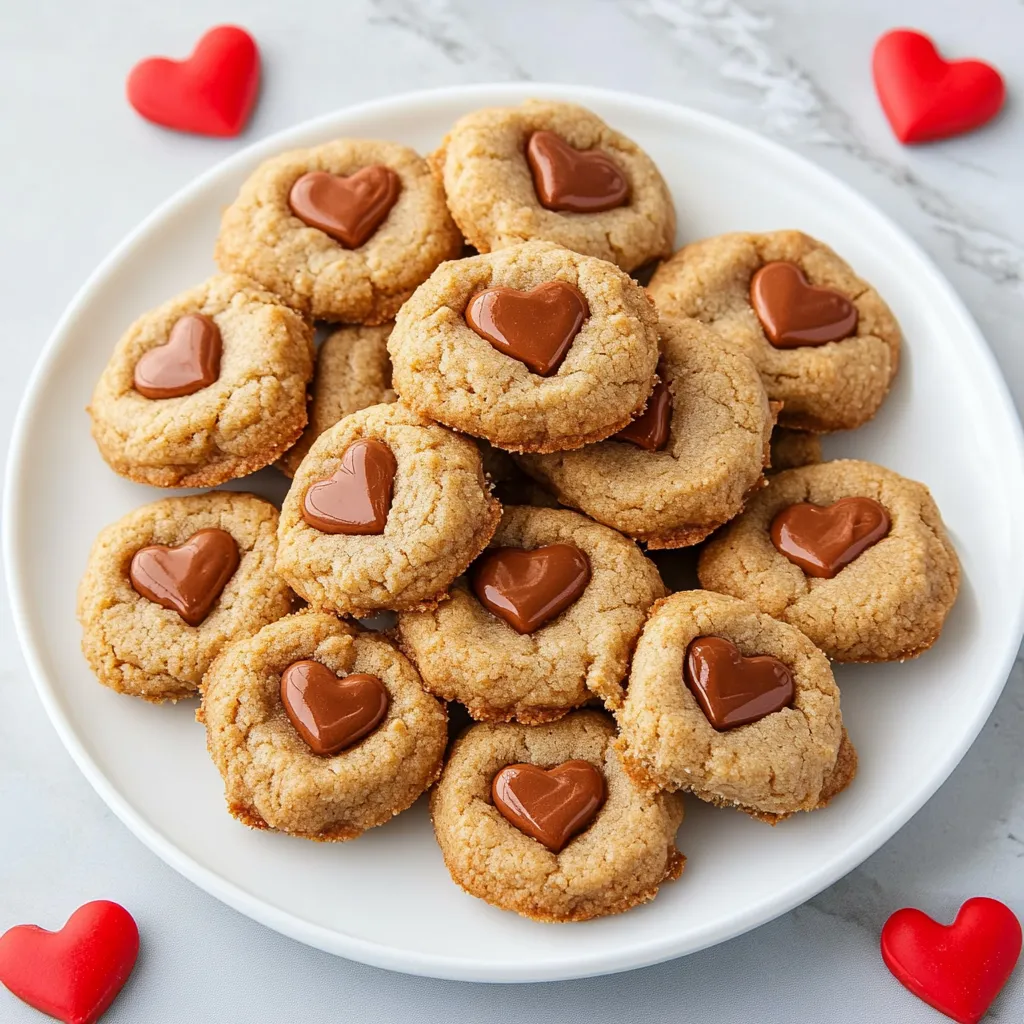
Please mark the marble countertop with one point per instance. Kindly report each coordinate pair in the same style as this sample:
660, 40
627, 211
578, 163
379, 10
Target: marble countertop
81, 170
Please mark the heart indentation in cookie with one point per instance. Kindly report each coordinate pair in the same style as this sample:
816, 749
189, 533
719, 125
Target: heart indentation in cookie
795, 313
550, 805
356, 498
822, 539
574, 180
535, 327
188, 578
186, 363
349, 209
732, 689
529, 588
330, 712
650, 429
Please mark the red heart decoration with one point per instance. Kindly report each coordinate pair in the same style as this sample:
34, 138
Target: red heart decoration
958, 968
73, 974
926, 97
211, 93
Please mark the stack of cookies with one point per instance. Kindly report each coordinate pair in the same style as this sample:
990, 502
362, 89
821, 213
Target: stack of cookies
499, 424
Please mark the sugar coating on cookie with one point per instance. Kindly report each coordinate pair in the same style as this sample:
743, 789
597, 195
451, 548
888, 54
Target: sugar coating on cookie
835, 386
253, 412
720, 421
447, 371
272, 779
786, 761
261, 235
889, 603
793, 448
493, 198
138, 647
626, 852
467, 653
353, 371
440, 517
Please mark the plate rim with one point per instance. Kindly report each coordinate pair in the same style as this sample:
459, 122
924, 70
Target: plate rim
334, 941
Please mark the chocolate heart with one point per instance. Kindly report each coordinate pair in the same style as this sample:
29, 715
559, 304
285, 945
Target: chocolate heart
579, 181
348, 209
356, 499
550, 806
330, 712
822, 539
733, 690
535, 327
795, 313
529, 588
188, 578
186, 363
651, 428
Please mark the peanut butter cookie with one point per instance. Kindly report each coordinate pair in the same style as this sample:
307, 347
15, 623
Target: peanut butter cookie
544, 821
854, 555
208, 387
534, 348
319, 730
824, 342
793, 448
545, 620
343, 231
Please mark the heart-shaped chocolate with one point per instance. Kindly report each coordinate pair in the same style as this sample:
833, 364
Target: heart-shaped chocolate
550, 805
186, 363
331, 712
732, 689
795, 313
188, 578
822, 539
356, 498
650, 429
535, 327
574, 180
348, 209
529, 588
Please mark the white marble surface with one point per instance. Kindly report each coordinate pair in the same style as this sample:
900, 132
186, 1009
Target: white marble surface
80, 170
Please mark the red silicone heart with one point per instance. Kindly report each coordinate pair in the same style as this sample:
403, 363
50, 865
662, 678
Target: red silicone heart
211, 93
958, 968
926, 97
73, 974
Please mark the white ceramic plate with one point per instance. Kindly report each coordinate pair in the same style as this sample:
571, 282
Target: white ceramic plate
386, 899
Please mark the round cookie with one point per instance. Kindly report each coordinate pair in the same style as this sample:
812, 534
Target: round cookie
715, 425
469, 653
793, 448
485, 164
433, 518
273, 778
625, 852
448, 371
353, 371
236, 412
887, 604
139, 647
792, 759
332, 276
837, 385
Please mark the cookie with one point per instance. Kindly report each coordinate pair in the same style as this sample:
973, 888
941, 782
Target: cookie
168, 585
208, 387
555, 172
574, 838
544, 621
793, 448
385, 511
319, 730
735, 707
534, 348
343, 232
824, 341
353, 371
868, 575
690, 461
